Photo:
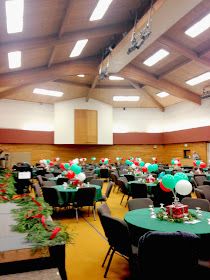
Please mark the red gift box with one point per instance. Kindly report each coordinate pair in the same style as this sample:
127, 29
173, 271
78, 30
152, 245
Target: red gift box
177, 211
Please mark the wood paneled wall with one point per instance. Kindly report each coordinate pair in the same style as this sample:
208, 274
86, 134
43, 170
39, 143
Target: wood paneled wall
164, 153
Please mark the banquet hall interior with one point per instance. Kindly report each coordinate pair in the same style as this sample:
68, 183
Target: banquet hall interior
103, 95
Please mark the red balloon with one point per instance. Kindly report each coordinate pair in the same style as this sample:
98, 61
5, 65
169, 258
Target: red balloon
136, 163
179, 164
51, 163
144, 169
62, 166
75, 183
70, 174
194, 163
164, 188
203, 165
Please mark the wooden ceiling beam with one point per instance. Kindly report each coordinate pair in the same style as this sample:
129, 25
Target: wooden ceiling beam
137, 75
147, 95
174, 46
43, 74
93, 85
173, 68
72, 83
65, 18
51, 41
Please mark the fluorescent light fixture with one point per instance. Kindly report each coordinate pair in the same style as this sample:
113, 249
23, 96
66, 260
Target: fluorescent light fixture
199, 79
199, 27
79, 46
116, 78
126, 98
48, 92
157, 56
14, 15
162, 94
14, 59
81, 75
100, 9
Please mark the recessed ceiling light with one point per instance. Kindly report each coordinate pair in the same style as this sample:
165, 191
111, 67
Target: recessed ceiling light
126, 98
116, 78
14, 15
156, 57
79, 46
199, 79
162, 94
14, 59
81, 75
48, 92
100, 9
199, 27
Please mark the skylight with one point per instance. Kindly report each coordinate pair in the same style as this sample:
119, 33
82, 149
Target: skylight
81, 75
48, 92
156, 57
14, 59
115, 78
79, 46
199, 79
126, 98
199, 27
162, 94
100, 9
14, 15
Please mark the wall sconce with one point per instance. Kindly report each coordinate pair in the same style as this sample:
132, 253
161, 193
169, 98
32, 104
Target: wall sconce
155, 147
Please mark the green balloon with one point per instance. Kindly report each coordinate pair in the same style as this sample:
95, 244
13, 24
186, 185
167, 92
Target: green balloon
172, 161
142, 163
67, 165
128, 162
93, 158
48, 161
155, 167
76, 168
198, 162
150, 168
180, 176
168, 181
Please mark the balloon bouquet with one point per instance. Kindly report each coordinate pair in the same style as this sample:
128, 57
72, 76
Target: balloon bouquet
48, 164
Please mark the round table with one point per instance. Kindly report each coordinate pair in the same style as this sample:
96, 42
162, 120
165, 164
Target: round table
63, 193
141, 218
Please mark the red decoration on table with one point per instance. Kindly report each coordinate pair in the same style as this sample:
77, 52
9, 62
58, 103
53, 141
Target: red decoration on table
177, 211
55, 232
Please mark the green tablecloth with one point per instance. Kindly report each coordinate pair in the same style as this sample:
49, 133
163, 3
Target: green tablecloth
141, 218
149, 185
64, 197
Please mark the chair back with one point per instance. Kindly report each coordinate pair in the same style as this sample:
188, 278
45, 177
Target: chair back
49, 183
37, 189
114, 177
88, 178
204, 204
40, 180
117, 233
122, 187
129, 177
61, 180
138, 190
50, 196
174, 249
203, 192
109, 189
160, 196
199, 179
138, 203
85, 196
97, 182
104, 173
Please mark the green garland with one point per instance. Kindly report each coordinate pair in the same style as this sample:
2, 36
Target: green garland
163, 217
32, 216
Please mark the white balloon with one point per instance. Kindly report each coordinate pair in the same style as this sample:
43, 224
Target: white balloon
76, 160
183, 187
81, 176
147, 164
57, 159
133, 166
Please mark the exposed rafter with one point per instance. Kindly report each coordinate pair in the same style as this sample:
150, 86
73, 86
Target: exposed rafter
52, 41
147, 95
173, 45
172, 68
93, 85
164, 15
43, 74
135, 74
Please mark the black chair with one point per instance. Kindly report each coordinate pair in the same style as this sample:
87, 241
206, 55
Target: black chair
85, 197
204, 204
61, 180
103, 209
104, 173
160, 196
203, 192
138, 203
40, 180
51, 197
124, 190
138, 190
37, 190
107, 193
176, 251
129, 177
88, 179
114, 178
97, 182
117, 233
199, 179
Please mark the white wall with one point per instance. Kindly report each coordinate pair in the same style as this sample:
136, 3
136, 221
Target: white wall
64, 120
26, 115
137, 120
